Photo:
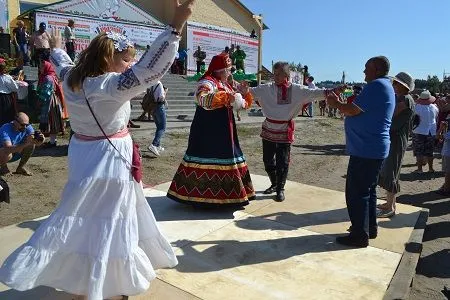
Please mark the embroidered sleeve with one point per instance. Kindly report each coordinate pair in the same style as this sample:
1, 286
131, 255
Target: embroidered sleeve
260, 93
61, 62
248, 100
152, 66
305, 95
208, 98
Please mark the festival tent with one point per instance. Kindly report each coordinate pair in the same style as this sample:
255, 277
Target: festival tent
94, 16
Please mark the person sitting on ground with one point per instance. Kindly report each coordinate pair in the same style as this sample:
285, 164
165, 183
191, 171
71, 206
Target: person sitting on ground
17, 142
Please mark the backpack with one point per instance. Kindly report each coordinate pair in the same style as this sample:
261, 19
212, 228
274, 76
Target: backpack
149, 102
4, 191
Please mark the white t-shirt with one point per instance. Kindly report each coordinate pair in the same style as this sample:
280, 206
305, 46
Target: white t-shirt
8, 85
428, 116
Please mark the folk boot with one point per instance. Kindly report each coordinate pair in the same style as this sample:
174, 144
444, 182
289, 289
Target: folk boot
273, 183
281, 181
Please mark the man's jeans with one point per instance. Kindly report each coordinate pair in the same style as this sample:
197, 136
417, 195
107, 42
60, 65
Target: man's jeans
361, 195
23, 48
159, 115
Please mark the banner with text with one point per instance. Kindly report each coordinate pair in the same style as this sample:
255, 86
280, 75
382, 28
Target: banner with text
87, 29
214, 39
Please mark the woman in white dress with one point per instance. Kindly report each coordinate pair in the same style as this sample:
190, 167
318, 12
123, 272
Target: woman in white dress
102, 241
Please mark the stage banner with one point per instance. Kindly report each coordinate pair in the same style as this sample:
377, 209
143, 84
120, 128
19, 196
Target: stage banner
87, 29
214, 39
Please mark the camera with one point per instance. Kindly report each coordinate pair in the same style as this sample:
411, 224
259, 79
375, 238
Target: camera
37, 136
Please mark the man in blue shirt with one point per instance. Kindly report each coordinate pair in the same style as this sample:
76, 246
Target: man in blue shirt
17, 141
367, 124
182, 56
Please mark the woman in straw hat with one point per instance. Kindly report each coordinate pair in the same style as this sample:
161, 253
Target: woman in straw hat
102, 241
403, 84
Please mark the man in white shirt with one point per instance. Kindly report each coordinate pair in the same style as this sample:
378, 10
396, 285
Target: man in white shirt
69, 36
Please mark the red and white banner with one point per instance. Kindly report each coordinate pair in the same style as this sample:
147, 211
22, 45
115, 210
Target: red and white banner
87, 29
214, 39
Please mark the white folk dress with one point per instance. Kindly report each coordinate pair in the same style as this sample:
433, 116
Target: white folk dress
102, 240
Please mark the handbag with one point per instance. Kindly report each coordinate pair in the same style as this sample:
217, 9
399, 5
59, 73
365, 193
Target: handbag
136, 161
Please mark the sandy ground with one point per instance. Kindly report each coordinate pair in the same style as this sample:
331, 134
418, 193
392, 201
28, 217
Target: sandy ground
317, 158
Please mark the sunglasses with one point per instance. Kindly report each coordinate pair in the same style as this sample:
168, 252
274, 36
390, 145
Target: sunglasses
22, 124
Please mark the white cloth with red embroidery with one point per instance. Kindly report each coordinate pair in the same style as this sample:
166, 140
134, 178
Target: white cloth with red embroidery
279, 126
102, 240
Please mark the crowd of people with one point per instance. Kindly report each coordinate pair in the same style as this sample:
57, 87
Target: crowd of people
112, 244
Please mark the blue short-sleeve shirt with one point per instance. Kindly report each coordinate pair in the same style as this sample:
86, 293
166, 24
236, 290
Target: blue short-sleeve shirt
8, 133
367, 134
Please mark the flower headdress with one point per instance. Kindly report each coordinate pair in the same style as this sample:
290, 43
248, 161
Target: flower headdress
121, 42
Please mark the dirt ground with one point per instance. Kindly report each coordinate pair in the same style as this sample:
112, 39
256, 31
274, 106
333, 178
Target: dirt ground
317, 158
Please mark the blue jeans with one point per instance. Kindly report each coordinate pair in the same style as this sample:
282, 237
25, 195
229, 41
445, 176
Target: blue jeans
159, 115
23, 48
361, 194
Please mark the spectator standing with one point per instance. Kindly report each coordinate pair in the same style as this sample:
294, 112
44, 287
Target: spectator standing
239, 57
182, 57
8, 95
69, 37
367, 125
444, 134
20, 42
40, 44
159, 115
200, 58
17, 142
399, 133
424, 135
50, 96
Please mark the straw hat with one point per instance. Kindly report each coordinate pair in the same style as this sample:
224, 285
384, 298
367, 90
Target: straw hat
405, 79
426, 96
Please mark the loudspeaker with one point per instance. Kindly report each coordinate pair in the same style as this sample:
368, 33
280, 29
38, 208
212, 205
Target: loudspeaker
5, 44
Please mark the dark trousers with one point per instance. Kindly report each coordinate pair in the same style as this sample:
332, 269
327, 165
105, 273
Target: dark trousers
199, 65
361, 194
276, 158
70, 48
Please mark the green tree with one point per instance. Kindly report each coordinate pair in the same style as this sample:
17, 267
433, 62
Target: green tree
433, 84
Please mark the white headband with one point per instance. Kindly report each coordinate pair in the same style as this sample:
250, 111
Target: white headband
121, 42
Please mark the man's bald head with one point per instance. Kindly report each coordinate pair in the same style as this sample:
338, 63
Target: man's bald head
23, 118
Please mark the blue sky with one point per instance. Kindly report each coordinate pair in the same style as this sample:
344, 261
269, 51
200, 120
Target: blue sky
331, 36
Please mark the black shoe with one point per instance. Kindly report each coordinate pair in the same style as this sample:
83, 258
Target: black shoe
270, 190
351, 241
373, 233
280, 196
